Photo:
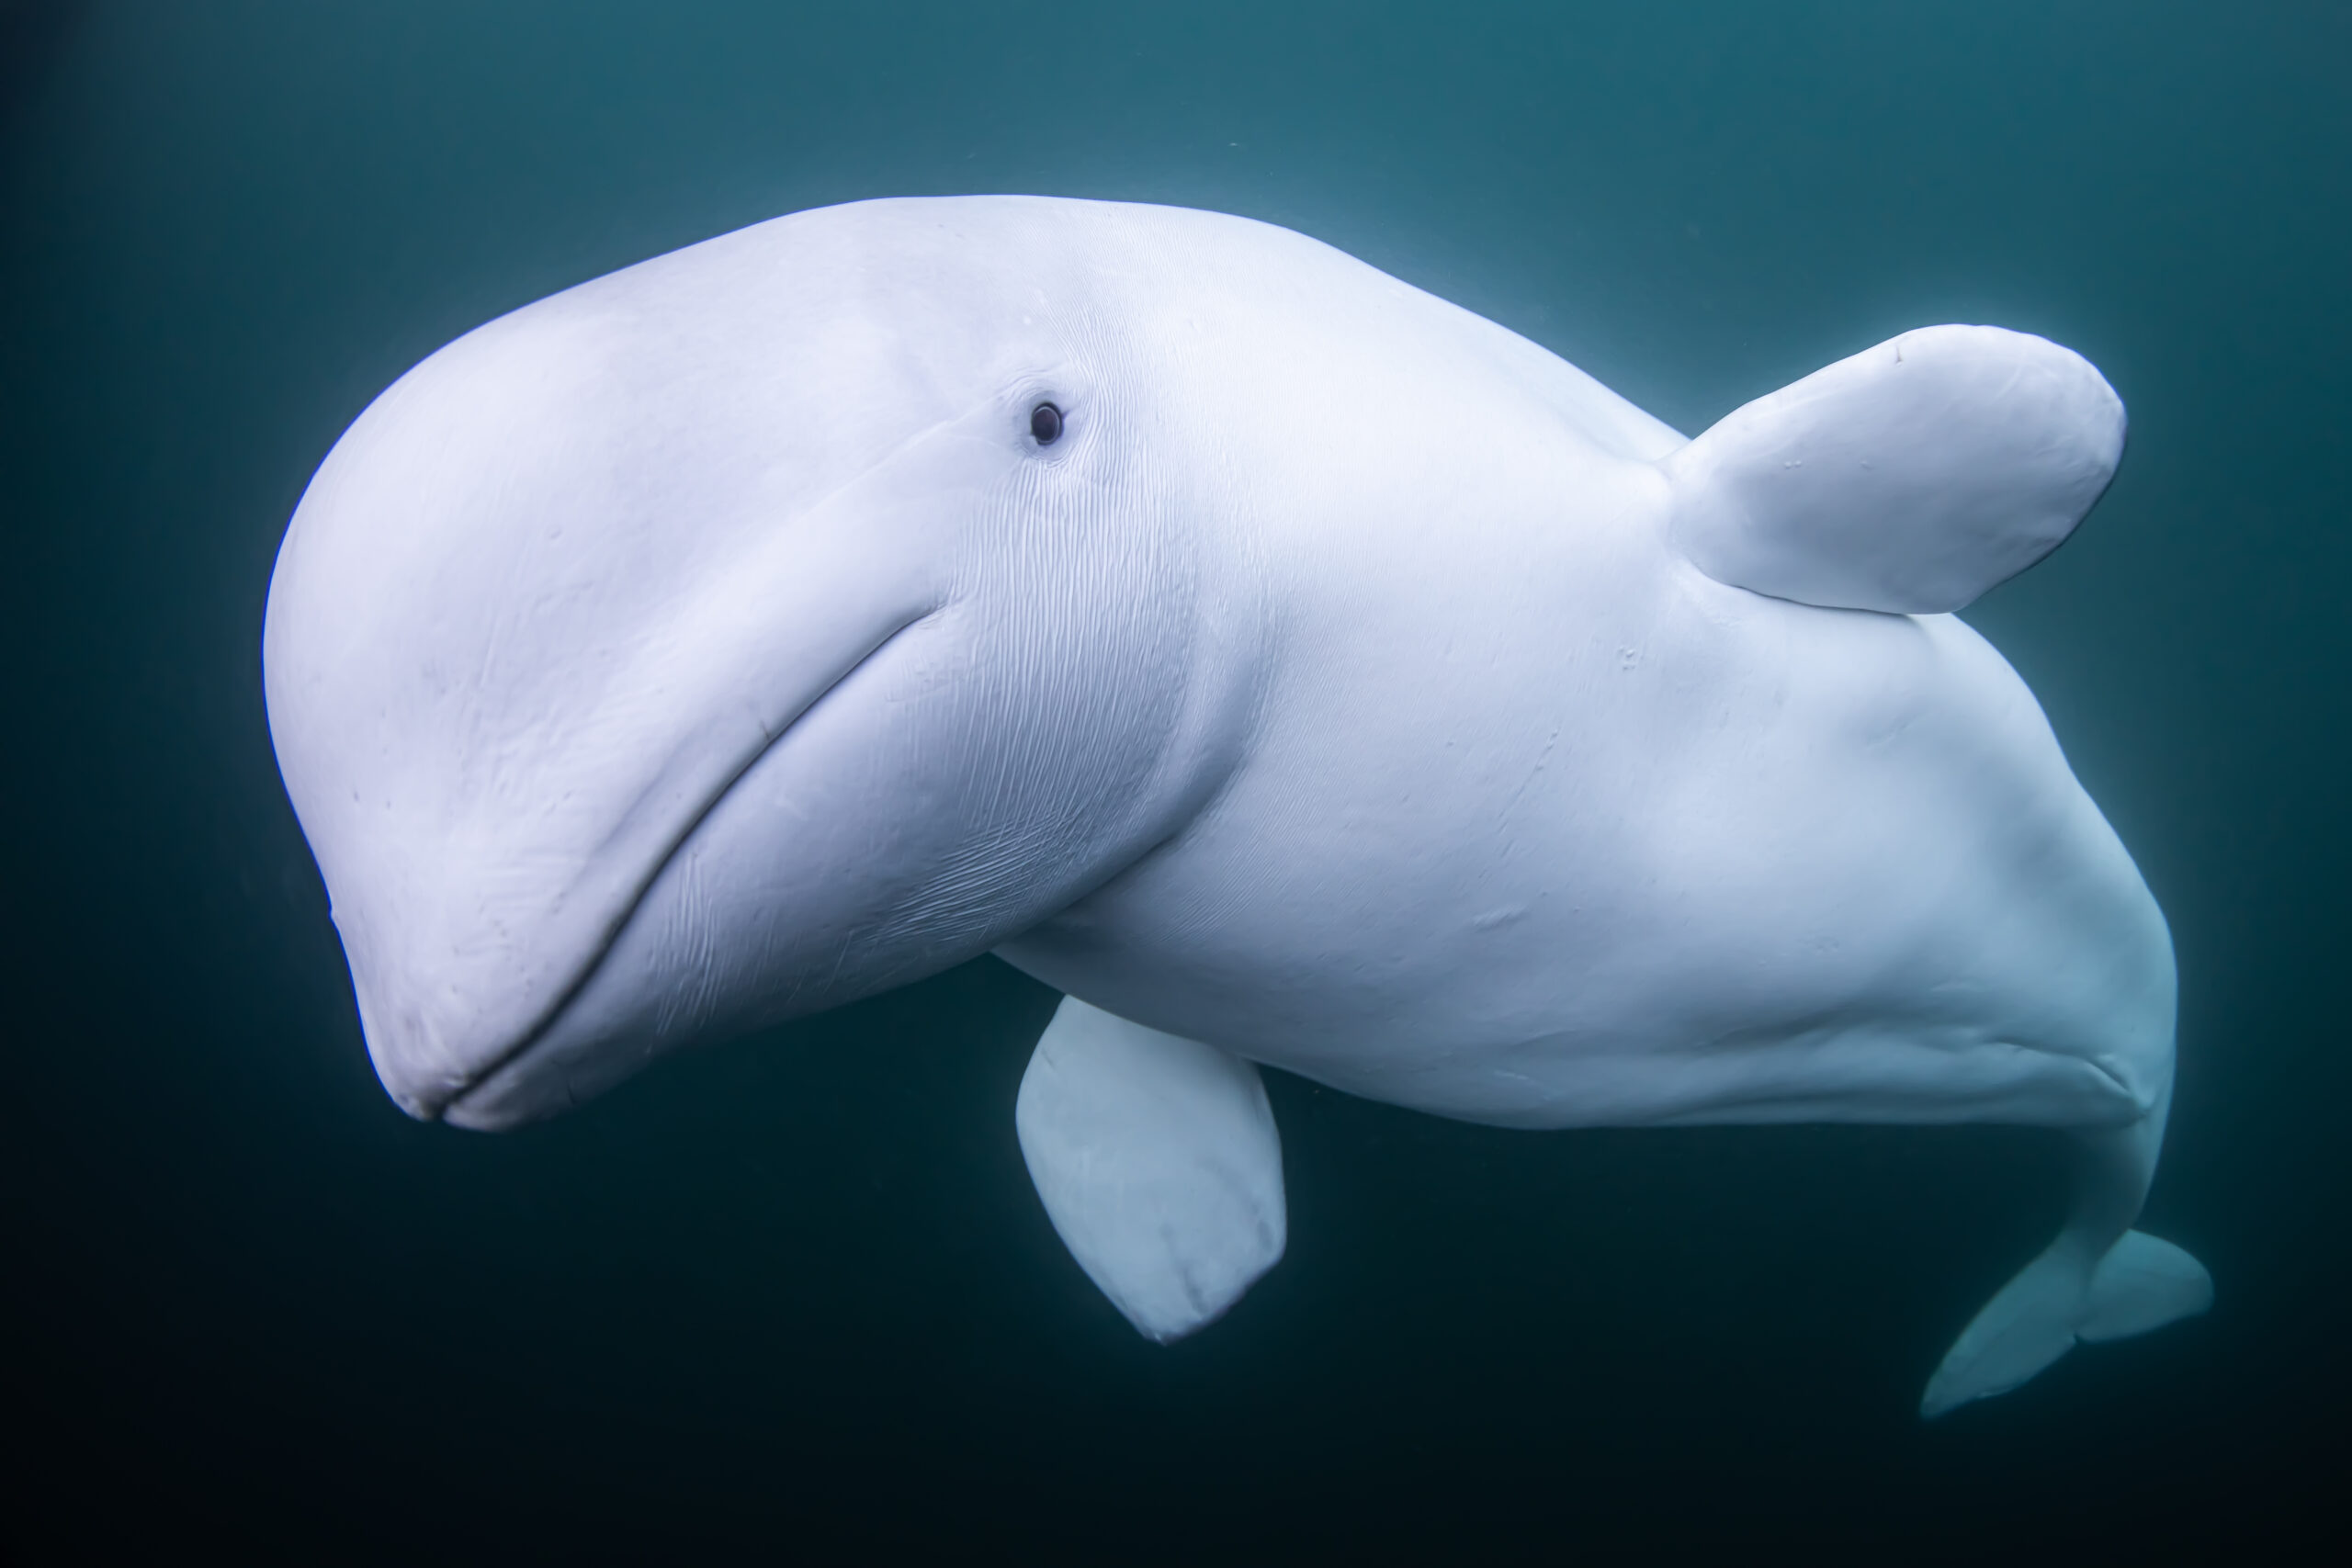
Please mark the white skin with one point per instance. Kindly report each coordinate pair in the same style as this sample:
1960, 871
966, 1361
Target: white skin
716, 642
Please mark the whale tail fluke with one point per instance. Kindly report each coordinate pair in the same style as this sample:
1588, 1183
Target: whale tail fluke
2100, 1279
2060, 1298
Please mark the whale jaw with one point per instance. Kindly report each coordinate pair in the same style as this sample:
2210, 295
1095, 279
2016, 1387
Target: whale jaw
431, 1058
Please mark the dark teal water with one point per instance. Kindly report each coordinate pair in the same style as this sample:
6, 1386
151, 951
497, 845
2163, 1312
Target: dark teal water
794, 1296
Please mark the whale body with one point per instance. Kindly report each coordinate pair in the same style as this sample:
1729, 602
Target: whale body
1290, 667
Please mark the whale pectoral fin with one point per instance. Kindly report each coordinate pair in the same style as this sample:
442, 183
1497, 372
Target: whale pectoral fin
2091, 1284
1909, 478
2141, 1283
1158, 1163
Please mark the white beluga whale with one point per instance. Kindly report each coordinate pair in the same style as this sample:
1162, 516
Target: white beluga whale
1292, 668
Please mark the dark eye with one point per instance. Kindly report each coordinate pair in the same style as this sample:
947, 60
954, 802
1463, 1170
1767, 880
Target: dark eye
1045, 424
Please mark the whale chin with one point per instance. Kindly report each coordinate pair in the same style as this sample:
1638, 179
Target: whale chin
557, 1070
505, 972
493, 1081
511, 1056
803, 886
657, 980
647, 990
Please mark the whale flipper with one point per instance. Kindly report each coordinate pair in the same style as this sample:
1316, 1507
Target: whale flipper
1158, 1163
1909, 478
2143, 1282
2097, 1281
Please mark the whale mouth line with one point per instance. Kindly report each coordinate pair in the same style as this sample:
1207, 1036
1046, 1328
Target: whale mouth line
594, 962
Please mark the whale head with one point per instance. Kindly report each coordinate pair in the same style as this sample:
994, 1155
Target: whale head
745, 632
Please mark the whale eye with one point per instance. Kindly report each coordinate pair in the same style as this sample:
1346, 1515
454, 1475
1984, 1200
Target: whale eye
1045, 424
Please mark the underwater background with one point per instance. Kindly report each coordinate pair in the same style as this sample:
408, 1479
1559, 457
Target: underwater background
794, 1296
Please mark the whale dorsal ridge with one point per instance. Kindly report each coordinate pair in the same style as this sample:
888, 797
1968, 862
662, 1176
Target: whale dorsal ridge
1909, 478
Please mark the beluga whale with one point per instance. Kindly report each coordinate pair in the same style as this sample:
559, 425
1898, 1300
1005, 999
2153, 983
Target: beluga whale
1292, 668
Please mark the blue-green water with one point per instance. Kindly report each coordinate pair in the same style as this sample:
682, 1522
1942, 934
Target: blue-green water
794, 1294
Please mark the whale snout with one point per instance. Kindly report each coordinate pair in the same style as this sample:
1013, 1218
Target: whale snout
477, 913
500, 988
547, 599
